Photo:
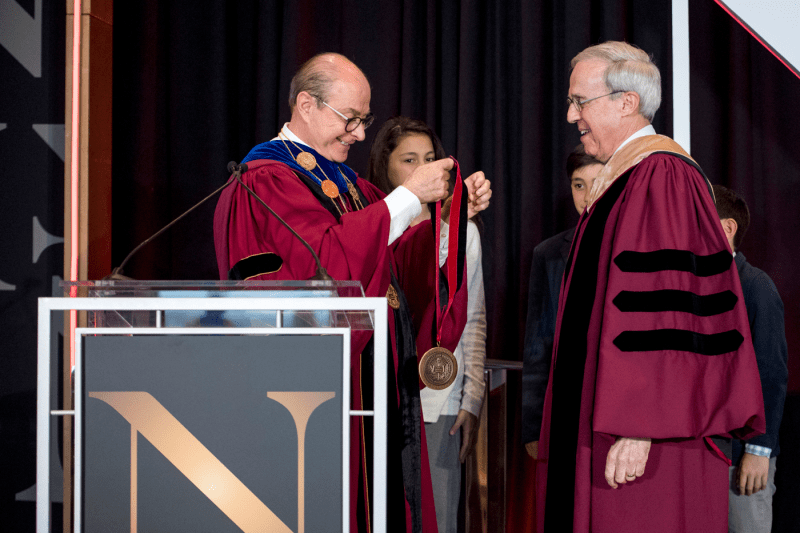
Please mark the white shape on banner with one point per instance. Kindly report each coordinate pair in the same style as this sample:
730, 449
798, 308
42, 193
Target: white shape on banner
53, 135
42, 239
775, 24
21, 34
2, 126
6, 287
681, 98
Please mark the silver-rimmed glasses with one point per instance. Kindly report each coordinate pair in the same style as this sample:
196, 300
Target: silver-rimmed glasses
580, 103
352, 123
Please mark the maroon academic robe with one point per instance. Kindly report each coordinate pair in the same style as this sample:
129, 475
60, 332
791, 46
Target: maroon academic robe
351, 248
652, 341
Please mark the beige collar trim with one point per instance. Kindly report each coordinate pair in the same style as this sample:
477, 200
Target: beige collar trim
630, 155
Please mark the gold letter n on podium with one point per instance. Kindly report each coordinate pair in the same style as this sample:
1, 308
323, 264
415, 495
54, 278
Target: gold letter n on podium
148, 417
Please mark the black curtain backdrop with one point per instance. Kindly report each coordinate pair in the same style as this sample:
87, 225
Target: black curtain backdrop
198, 83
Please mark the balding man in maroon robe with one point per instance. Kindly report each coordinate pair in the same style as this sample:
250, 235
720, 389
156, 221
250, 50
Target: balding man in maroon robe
359, 234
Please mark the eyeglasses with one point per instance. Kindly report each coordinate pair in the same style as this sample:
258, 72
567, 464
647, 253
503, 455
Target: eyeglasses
580, 103
352, 123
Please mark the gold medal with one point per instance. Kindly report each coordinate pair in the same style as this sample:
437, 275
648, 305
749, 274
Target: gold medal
307, 161
329, 188
438, 368
391, 296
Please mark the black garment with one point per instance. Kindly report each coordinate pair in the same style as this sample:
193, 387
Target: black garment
547, 270
765, 314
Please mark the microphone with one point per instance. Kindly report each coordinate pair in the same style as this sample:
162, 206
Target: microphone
236, 170
116, 274
233, 167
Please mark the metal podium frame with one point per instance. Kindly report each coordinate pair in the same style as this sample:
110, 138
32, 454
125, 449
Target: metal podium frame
376, 307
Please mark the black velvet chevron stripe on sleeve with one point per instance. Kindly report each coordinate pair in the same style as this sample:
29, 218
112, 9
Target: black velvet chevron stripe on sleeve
675, 300
255, 265
679, 340
683, 260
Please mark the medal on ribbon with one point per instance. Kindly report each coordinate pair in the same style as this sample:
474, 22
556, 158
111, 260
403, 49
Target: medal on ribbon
438, 366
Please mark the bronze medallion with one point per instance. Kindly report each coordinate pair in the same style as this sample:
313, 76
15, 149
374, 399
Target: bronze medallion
438, 368
391, 296
306, 160
329, 188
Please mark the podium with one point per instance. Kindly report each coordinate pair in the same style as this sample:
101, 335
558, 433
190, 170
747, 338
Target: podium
211, 405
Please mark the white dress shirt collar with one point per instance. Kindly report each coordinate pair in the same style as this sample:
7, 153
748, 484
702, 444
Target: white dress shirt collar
289, 135
647, 130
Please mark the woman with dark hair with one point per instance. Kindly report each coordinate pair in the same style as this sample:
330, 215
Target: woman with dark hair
388, 167
402, 145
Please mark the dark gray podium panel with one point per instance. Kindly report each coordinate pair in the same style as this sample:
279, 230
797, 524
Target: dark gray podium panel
200, 432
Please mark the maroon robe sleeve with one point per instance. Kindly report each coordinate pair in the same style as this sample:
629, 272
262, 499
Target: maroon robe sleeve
353, 248
675, 354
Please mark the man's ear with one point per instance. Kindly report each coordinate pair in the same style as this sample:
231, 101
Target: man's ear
630, 103
304, 104
729, 226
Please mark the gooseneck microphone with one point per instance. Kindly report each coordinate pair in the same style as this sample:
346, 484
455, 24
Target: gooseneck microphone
234, 167
117, 272
236, 170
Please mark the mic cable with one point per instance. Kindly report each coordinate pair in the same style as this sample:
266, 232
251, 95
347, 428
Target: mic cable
236, 170
117, 272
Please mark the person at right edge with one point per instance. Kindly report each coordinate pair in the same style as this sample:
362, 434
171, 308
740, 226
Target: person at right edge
752, 476
652, 354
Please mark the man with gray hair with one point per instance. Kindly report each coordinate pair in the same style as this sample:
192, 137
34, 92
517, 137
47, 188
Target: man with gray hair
652, 356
